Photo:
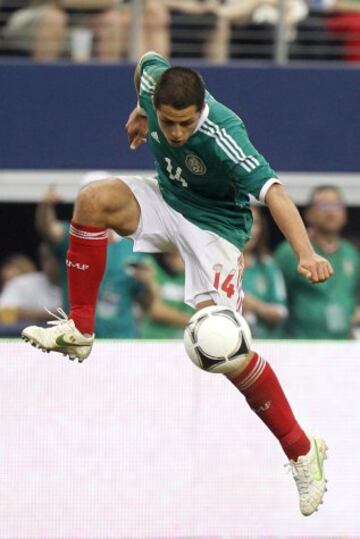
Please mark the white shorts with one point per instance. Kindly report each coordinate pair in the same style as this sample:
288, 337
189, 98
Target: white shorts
213, 265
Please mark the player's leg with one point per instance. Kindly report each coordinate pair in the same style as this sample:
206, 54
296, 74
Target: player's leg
99, 206
102, 205
220, 266
258, 383
265, 396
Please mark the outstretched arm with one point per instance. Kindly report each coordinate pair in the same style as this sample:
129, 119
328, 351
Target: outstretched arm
314, 267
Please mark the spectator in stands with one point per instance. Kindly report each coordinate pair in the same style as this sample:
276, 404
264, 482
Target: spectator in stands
123, 286
24, 297
195, 31
314, 41
156, 28
324, 311
40, 27
35, 27
259, 18
168, 314
345, 25
264, 287
14, 265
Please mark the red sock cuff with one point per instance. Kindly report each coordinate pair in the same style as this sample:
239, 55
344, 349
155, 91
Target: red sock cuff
253, 371
86, 228
85, 234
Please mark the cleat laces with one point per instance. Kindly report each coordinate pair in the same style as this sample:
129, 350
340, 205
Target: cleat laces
301, 473
60, 318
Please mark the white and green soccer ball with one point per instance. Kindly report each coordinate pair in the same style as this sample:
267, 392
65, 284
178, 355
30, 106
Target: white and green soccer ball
217, 339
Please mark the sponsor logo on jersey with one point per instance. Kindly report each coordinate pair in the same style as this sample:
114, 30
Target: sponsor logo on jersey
155, 136
195, 164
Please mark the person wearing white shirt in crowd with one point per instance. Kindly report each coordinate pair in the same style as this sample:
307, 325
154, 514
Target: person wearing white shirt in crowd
24, 297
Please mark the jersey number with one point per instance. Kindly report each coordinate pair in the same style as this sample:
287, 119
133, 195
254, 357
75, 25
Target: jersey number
177, 175
227, 285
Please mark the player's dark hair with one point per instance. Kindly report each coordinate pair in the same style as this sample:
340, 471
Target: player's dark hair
180, 87
324, 187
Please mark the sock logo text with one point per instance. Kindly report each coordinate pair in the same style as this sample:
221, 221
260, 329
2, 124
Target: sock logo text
77, 265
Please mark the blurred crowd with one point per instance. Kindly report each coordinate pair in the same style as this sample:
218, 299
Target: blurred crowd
141, 296
215, 30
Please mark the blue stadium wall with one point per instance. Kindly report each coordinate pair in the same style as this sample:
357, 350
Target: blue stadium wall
72, 117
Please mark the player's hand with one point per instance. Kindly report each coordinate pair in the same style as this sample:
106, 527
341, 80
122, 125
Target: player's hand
315, 268
137, 129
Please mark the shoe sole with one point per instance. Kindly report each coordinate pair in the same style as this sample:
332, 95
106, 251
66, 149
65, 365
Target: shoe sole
37, 345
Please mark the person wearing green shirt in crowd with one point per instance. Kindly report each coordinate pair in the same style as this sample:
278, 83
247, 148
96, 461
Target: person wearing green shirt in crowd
264, 287
325, 311
168, 314
198, 204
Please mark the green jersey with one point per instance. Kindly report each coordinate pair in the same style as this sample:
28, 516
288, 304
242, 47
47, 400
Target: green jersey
208, 179
321, 311
264, 280
171, 291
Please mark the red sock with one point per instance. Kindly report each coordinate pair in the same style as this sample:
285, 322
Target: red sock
262, 390
86, 259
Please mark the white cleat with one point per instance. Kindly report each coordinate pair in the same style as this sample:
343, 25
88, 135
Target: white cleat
308, 472
62, 337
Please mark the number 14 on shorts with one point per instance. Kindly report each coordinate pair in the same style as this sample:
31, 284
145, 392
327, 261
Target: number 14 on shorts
224, 282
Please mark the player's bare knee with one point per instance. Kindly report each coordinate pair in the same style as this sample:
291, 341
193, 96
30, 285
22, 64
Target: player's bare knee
92, 202
107, 203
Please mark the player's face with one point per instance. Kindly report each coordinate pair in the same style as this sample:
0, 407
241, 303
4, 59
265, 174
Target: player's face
327, 212
177, 124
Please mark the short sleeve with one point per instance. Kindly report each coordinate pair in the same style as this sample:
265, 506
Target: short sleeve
249, 169
152, 65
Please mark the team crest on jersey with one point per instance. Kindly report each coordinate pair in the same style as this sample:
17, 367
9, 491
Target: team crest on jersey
195, 164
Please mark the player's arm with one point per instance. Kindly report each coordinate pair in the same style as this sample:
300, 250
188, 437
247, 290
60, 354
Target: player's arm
137, 125
314, 267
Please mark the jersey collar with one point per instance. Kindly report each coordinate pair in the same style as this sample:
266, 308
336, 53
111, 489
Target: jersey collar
203, 117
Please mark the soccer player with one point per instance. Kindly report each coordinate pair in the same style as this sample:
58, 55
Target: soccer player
199, 204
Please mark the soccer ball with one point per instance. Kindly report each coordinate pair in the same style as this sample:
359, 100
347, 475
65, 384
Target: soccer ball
217, 339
